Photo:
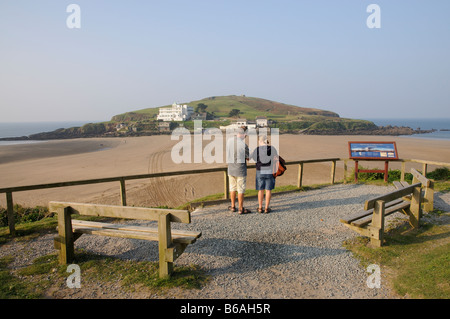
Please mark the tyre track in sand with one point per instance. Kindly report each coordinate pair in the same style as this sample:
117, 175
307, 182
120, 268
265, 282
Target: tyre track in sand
166, 191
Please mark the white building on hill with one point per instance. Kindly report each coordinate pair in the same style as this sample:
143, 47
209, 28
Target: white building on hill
238, 124
176, 112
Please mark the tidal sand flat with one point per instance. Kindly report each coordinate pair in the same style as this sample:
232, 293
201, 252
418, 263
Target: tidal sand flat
78, 159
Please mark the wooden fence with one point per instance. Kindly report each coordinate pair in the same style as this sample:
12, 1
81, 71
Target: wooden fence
122, 179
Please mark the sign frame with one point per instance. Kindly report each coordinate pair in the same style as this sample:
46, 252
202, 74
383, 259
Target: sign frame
369, 150
368, 154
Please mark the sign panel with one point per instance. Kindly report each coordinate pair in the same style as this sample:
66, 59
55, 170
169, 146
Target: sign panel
373, 150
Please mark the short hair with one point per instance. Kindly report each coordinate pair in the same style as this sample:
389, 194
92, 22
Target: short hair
264, 139
242, 130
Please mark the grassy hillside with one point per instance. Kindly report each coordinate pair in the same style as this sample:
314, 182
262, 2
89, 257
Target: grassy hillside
249, 108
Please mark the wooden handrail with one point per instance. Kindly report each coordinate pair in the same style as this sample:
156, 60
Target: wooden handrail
139, 176
10, 190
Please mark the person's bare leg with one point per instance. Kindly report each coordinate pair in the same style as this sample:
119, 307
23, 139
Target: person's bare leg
268, 196
241, 201
233, 198
260, 198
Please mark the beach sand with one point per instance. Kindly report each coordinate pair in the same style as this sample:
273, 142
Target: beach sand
78, 159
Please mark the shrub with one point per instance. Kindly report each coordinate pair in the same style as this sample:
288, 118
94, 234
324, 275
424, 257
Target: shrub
440, 174
24, 214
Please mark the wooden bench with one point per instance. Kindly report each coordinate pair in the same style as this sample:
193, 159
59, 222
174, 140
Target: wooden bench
172, 243
370, 221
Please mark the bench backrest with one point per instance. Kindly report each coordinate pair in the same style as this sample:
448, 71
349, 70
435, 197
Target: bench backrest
128, 212
419, 177
418, 181
391, 196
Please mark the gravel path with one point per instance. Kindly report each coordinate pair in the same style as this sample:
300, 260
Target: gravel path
294, 252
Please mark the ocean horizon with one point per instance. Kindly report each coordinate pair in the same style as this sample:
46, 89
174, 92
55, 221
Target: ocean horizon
19, 129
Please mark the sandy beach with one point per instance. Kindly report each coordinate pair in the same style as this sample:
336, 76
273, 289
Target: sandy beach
78, 159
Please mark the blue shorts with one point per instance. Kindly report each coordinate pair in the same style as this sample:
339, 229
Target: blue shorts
264, 181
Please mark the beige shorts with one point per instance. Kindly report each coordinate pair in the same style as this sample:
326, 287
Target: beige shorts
237, 183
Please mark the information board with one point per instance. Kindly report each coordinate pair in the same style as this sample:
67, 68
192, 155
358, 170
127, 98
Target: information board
373, 150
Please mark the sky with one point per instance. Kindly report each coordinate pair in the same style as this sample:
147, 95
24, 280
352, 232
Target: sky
130, 55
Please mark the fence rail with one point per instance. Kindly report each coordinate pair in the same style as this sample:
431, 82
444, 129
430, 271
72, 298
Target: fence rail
122, 179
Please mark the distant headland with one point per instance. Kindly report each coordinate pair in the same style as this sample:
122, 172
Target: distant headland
222, 111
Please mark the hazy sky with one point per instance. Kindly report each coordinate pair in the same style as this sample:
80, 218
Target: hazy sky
130, 55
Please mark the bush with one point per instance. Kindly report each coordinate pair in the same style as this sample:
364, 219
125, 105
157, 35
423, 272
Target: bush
439, 174
393, 175
24, 215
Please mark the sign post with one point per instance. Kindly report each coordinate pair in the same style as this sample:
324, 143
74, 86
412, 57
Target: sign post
372, 151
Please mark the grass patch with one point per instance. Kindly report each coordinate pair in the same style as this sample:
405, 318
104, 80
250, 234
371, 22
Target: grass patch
45, 274
134, 274
12, 287
417, 260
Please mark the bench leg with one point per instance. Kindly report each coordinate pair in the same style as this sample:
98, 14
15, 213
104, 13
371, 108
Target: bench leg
415, 209
165, 242
378, 223
66, 247
429, 198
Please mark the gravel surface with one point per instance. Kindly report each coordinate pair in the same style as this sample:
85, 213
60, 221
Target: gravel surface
293, 252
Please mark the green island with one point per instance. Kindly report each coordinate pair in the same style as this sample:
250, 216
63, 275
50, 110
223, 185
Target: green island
225, 110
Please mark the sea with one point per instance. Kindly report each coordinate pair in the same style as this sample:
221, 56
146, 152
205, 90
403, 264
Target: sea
441, 125
17, 129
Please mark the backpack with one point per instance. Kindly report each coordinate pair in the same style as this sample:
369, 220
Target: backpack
279, 167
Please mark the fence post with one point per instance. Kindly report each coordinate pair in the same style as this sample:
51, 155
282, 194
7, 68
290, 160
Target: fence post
300, 175
123, 192
345, 171
226, 185
424, 169
402, 172
333, 171
10, 214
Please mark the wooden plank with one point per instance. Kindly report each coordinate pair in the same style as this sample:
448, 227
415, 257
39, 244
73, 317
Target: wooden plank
428, 198
123, 192
398, 185
405, 184
131, 234
112, 179
378, 223
300, 175
415, 208
388, 211
391, 196
66, 248
165, 242
180, 216
350, 218
10, 214
133, 228
226, 186
333, 172
425, 181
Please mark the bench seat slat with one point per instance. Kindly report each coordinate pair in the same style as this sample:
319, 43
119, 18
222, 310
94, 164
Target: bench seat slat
361, 214
388, 211
133, 228
131, 234
398, 185
405, 184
